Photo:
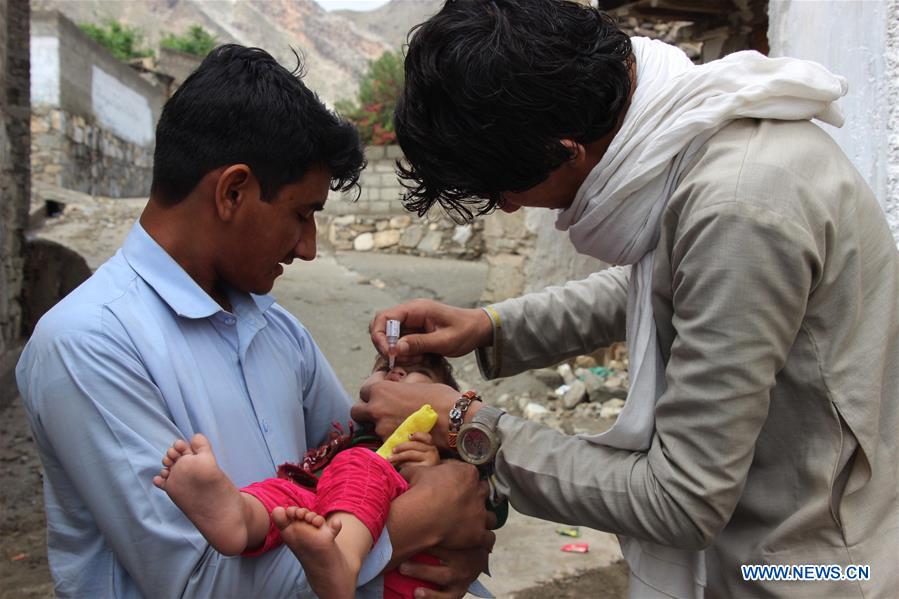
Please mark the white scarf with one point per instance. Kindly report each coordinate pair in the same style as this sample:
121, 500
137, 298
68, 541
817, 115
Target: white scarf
615, 216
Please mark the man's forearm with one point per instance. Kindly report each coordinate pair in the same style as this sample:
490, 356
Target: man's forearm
544, 328
563, 478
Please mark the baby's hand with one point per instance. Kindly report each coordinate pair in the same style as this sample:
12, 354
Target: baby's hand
419, 450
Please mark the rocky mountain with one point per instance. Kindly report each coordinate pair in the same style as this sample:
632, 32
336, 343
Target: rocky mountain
335, 49
392, 21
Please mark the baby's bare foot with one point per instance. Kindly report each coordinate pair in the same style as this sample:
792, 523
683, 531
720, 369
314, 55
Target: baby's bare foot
195, 483
312, 540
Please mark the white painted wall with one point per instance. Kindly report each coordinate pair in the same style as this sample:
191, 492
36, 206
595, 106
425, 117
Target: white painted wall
858, 39
120, 109
45, 70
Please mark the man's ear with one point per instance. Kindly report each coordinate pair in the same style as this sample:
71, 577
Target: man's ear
578, 152
235, 187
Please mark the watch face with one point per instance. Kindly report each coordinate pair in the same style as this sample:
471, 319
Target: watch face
475, 446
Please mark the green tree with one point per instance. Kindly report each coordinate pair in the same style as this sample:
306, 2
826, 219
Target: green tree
372, 111
122, 41
196, 41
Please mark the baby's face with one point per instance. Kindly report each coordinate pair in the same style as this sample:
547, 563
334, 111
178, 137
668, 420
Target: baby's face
402, 374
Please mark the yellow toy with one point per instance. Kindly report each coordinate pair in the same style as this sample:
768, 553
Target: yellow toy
420, 421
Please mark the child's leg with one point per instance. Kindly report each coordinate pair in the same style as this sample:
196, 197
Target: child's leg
331, 550
354, 493
230, 520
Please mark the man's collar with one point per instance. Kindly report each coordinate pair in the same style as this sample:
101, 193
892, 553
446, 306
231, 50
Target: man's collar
171, 282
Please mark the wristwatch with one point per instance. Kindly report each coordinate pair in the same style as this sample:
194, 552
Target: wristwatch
478, 440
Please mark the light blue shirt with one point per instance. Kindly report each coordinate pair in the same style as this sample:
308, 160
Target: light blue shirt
138, 356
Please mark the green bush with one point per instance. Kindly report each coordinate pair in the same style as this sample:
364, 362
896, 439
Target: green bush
372, 111
196, 41
121, 40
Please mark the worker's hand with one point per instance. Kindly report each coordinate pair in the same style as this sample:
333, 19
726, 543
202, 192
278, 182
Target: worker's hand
427, 326
388, 403
419, 450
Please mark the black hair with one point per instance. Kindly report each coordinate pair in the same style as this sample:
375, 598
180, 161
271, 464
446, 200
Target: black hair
241, 107
491, 87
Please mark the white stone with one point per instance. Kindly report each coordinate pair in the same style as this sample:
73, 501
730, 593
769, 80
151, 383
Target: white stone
386, 239
411, 237
364, 242
431, 243
614, 382
565, 372
523, 402
348, 219
534, 411
400, 222
611, 408
462, 234
577, 392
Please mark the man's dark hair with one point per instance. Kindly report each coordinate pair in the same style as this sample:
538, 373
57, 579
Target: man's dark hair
491, 89
241, 107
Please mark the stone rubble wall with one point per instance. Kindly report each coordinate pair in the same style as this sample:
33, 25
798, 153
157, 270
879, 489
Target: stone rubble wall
93, 116
14, 181
73, 152
377, 221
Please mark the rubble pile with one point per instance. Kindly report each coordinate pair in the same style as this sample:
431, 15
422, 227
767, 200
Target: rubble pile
670, 32
406, 235
583, 395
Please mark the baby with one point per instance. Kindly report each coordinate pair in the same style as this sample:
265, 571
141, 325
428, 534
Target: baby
330, 523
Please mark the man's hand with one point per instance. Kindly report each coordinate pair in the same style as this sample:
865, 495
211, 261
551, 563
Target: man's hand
458, 569
388, 403
432, 327
459, 529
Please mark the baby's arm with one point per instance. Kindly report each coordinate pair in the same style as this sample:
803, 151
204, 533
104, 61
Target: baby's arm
419, 450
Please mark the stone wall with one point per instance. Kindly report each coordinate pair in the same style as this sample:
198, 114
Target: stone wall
381, 189
526, 253
377, 221
14, 180
73, 152
94, 116
860, 41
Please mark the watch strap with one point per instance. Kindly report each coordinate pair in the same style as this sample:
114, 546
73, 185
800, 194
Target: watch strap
457, 416
488, 416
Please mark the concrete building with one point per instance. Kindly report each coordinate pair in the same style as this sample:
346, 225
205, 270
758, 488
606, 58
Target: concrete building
93, 117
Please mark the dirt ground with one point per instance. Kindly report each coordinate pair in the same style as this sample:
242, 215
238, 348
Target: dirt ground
335, 296
23, 557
